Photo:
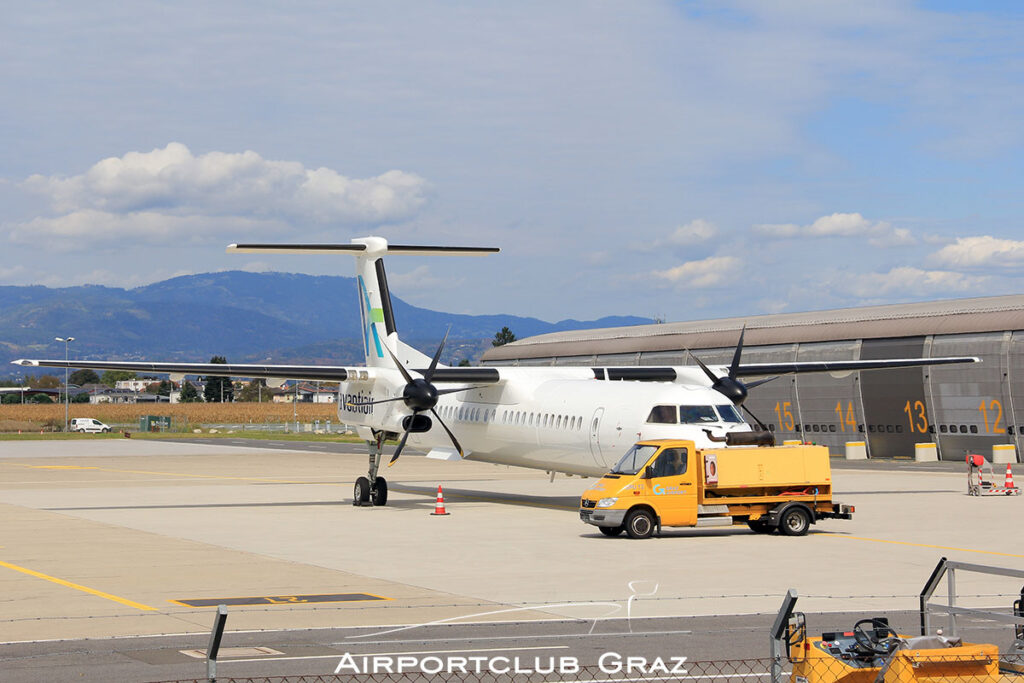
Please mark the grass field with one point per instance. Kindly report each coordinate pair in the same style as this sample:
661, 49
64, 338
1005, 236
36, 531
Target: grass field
29, 417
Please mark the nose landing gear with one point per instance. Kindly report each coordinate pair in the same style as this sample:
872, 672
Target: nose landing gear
372, 490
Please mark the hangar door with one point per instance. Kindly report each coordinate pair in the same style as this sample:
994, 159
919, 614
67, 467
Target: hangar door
895, 411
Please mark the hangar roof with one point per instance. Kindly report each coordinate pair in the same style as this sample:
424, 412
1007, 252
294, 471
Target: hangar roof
953, 316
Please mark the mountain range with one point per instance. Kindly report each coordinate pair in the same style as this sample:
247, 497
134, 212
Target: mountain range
247, 317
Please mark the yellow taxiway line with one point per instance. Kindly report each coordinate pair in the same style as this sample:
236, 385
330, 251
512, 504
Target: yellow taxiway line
921, 545
78, 587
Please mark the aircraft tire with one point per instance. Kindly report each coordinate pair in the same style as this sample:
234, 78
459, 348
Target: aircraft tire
794, 521
379, 492
639, 523
361, 491
611, 531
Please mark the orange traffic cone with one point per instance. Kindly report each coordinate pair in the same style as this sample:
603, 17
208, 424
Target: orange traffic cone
439, 506
1009, 477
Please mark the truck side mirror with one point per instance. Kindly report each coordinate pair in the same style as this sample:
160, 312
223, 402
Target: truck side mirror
649, 472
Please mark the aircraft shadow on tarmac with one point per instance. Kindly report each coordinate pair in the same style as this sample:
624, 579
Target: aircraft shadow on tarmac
410, 504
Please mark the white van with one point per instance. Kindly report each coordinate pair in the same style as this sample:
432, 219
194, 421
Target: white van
87, 424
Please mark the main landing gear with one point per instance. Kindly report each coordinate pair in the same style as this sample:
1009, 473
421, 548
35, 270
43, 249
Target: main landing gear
371, 489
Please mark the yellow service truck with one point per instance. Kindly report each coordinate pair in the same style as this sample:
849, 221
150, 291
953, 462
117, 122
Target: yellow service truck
671, 483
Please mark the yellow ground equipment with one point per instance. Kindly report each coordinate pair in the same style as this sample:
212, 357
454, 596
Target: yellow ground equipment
872, 652
672, 483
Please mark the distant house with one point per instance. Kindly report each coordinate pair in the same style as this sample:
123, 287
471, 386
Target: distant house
134, 384
124, 396
307, 393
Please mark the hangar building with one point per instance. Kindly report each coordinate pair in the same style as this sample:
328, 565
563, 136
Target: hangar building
961, 408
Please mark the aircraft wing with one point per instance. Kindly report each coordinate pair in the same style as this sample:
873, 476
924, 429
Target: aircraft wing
751, 369
327, 373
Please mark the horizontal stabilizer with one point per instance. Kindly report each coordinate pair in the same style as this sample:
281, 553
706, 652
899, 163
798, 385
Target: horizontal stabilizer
356, 249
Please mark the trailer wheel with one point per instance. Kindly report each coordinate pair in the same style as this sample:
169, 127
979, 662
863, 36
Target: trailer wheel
639, 523
611, 530
759, 526
795, 521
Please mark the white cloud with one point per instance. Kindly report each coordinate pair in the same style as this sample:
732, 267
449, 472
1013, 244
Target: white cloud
698, 230
709, 272
107, 278
896, 237
983, 251
908, 281
878, 233
11, 273
171, 193
421, 278
88, 227
779, 230
695, 232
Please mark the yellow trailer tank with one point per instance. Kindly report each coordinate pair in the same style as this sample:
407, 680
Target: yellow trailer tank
670, 483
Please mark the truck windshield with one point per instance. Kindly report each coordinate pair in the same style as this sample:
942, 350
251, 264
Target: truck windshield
729, 414
634, 459
697, 414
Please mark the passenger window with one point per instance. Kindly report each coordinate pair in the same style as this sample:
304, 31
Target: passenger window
663, 415
558, 422
671, 463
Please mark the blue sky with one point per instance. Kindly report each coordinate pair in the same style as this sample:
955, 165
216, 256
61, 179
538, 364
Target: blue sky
686, 160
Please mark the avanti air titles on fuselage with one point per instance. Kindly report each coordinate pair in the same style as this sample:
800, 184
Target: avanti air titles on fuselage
575, 420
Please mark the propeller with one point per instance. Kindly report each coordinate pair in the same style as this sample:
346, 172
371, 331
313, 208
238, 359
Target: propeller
730, 387
420, 395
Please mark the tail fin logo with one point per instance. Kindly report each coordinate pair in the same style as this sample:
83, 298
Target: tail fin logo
370, 317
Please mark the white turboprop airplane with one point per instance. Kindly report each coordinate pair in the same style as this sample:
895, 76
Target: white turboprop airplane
575, 420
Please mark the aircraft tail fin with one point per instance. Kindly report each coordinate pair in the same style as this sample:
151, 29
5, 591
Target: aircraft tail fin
378, 319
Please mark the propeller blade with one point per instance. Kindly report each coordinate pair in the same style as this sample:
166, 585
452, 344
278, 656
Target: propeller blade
736, 354
451, 436
756, 418
437, 356
707, 371
759, 382
401, 445
401, 368
357, 404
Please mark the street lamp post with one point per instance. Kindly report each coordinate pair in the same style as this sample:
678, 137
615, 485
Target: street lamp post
67, 341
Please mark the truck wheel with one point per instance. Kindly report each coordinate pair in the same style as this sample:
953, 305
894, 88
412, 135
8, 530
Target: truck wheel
795, 521
639, 524
611, 530
759, 526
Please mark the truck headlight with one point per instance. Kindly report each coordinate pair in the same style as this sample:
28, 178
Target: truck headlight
607, 502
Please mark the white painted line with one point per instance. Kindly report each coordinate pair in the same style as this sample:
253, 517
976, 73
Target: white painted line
397, 654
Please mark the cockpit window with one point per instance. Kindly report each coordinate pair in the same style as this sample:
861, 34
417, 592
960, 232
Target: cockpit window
697, 414
729, 413
634, 459
663, 415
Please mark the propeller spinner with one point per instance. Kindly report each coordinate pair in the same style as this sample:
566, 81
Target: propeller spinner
730, 387
420, 396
